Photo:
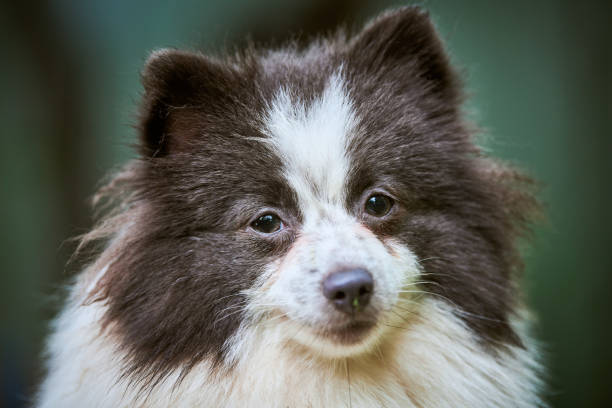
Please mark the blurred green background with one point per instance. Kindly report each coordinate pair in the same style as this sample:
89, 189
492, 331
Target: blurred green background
540, 76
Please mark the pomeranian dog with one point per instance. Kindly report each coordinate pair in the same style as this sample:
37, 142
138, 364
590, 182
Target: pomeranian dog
304, 227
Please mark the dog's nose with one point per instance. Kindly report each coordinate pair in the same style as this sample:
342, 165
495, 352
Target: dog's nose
349, 290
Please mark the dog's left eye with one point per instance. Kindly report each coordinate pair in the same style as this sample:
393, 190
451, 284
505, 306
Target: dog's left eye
378, 205
267, 224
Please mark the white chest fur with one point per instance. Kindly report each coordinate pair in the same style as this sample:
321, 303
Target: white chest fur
435, 362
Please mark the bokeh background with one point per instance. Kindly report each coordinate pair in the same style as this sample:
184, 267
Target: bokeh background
540, 77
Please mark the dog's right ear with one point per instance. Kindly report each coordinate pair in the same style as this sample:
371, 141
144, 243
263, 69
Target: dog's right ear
178, 87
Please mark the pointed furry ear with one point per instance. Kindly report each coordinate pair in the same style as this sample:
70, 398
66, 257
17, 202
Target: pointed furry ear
402, 44
174, 82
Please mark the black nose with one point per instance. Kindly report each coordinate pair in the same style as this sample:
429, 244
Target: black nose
349, 290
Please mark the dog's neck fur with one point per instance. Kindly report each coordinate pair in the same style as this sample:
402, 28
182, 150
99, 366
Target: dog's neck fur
436, 363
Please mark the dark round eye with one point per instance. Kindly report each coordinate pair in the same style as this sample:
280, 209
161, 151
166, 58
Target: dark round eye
267, 223
378, 205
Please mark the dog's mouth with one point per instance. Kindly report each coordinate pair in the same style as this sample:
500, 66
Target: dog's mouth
351, 333
348, 334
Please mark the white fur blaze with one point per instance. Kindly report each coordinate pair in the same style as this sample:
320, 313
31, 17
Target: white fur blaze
312, 143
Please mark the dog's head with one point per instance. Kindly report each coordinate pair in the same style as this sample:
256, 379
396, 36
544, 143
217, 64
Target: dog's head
324, 191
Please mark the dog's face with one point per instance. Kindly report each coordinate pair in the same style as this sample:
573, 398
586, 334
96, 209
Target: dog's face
342, 271
323, 191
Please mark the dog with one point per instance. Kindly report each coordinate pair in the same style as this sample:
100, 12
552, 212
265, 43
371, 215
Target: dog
304, 227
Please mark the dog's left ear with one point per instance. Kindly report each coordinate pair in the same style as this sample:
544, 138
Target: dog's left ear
402, 45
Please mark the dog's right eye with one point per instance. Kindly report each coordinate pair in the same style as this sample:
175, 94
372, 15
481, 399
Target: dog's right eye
267, 224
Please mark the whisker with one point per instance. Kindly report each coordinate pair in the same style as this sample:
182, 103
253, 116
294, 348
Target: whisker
407, 309
477, 316
416, 283
226, 316
228, 296
403, 318
438, 274
230, 307
395, 327
265, 306
348, 377
424, 292
275, 318
457, 309
431, 258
